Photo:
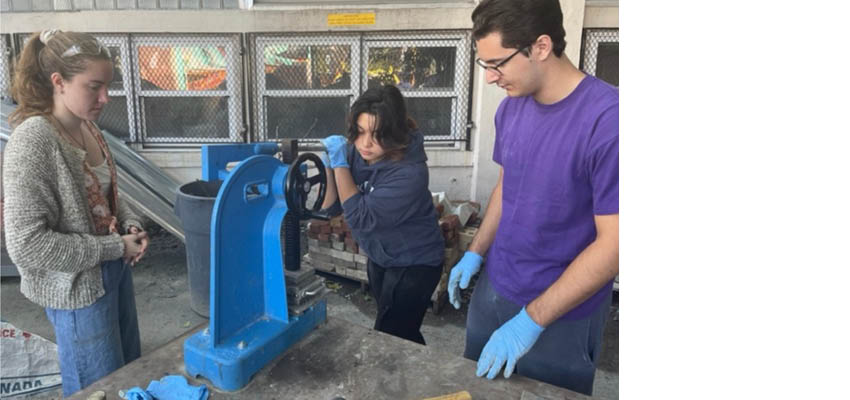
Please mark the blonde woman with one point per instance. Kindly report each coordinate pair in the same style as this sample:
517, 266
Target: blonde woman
71, 237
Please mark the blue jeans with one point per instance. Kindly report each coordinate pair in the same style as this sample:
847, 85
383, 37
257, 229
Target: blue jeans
99, 338
564, 355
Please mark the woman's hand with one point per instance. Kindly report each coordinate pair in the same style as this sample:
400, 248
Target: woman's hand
135, 244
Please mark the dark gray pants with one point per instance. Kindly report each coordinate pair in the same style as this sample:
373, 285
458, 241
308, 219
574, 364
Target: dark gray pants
564, 355
402, 294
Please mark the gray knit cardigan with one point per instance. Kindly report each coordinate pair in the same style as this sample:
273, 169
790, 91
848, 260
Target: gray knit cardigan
49, 228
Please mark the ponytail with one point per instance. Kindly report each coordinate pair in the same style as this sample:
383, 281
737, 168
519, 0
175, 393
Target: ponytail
31, 89
44, 54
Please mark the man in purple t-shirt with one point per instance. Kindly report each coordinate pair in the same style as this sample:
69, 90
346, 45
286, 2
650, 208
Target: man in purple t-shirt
552, 223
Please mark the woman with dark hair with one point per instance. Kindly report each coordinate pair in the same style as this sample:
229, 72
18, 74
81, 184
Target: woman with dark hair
381, 180
71, 237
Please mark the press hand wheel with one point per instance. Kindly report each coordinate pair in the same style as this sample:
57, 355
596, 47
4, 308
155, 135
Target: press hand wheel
298, 187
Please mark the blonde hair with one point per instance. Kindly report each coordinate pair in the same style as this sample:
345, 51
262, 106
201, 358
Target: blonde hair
46, 52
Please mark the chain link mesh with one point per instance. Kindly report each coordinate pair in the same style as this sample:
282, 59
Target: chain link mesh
117, 116
601, 57
306, 84
432, 71
5, 76
189, 88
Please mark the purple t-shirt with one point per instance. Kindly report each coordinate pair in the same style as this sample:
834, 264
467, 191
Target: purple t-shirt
561, 167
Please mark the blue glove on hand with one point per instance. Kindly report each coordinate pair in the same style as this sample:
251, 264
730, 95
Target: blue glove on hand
508, 343
336, 150
461, 274
325, 160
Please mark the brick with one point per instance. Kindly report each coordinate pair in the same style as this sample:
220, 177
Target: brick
325, 229
42, 5
313, 227
336, 237
312, 242
465, 238
450, 222
319, 222
321, 250
190, 4
357, 274
338, 246
313, 235
338, 230
323, 237
360, 266
342, 255
359, 258
322, 258
352, 248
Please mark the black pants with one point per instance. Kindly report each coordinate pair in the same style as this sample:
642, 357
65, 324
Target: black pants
403, 294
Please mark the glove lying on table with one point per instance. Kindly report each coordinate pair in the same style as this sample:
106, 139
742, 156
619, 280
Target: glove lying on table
508, 344
171, 387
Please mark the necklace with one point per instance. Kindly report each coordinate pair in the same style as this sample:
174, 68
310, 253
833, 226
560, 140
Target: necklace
64, 131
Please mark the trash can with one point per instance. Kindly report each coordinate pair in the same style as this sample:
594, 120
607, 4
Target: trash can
193, 207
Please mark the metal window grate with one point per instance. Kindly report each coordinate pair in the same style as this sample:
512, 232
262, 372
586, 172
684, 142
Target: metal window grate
5, 76
304, 85
188, 88
432, 70
600, 54
119, 116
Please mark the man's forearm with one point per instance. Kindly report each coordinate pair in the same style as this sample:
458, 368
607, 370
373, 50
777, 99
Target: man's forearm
487, 231
595, 265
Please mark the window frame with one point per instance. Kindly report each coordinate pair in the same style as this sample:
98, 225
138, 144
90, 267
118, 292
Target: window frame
261, 93
459, 120
233, 93
590, 46
123, 44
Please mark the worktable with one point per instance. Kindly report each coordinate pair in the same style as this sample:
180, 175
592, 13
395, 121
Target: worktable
340, 359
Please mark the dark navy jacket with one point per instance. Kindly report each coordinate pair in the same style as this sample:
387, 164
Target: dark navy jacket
392, 216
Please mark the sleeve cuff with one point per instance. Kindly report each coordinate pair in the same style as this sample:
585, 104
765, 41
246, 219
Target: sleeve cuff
111, 246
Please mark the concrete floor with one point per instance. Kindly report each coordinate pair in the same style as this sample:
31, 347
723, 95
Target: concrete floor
162, 301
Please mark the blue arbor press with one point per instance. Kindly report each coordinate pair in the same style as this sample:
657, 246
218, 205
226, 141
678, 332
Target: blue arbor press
251, 322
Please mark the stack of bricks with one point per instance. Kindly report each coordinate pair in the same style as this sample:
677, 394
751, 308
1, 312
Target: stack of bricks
333, 249
457, 240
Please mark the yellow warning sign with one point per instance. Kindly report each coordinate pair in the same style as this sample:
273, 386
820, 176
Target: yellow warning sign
351, 19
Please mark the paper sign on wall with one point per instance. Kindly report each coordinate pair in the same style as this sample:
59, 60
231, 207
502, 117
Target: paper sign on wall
351, 19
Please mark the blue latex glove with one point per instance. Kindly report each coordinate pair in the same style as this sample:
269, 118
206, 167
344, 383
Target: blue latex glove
136, 393
336, 150
508, 343
461, 274
175, 387
325, 160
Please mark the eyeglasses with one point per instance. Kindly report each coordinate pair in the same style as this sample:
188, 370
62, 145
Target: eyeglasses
495, 68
